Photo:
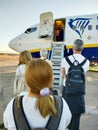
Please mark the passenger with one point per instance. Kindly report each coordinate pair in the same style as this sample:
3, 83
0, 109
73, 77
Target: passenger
43, 55
19, 82
38, 104
58, 34
75, 101
61, 34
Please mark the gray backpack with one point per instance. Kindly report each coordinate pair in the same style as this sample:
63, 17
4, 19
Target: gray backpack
22, 123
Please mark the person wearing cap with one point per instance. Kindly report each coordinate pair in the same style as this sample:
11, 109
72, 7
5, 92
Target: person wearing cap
77, 102
38, 104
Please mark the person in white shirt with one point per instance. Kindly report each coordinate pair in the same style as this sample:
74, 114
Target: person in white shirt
43, 55
38, 104
76, 102
19, 83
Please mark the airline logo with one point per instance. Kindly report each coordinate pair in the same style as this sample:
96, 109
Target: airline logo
79, 25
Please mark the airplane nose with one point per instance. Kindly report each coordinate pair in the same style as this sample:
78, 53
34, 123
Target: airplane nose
12, 45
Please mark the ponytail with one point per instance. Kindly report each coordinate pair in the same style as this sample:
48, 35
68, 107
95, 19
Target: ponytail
46, 106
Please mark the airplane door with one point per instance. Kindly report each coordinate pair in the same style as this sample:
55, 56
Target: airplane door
46, 24
59, 30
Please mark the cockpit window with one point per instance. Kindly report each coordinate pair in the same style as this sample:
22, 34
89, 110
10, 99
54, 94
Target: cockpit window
30, 30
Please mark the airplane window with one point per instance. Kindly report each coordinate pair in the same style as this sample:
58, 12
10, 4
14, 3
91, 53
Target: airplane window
89, 27
30, 30
96, 27
33, 29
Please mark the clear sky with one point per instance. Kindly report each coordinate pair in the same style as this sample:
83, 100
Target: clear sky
17, 15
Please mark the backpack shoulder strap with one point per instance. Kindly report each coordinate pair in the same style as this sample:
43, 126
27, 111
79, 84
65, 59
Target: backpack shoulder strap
54, 121
68, 61
19, 115
83, 62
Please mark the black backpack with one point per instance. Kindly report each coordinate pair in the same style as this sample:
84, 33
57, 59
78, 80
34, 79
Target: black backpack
75, 78
22, 123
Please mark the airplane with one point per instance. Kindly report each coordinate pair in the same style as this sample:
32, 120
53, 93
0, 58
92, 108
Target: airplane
61, 30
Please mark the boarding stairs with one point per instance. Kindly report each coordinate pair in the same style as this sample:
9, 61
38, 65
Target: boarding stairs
56, 59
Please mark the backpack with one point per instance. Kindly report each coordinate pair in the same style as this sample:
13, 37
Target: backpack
75, 78
22, 123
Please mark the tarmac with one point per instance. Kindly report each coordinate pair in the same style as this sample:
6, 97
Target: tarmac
88, 121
